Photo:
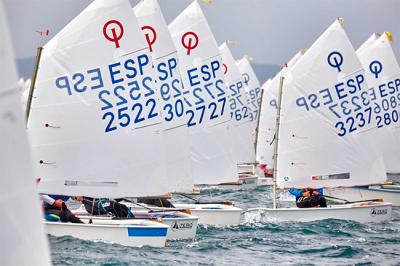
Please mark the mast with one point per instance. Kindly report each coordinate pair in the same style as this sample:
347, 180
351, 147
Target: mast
278, 118
33, 82
258, 120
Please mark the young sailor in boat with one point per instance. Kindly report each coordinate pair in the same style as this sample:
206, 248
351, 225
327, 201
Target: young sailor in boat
158, 202
309, 197
55, 208
106, 206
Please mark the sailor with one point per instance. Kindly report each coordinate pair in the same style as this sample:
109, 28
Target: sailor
158, 202
55, 208
309, 197
106, 206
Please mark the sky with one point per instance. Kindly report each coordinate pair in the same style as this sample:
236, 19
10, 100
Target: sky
271, 31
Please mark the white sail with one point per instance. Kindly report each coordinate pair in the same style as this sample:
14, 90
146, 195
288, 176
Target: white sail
367, 43
267, 123
175, 134
252, 86
208, 114
23, 239
95, 116
326, 109
383, 77
241, 112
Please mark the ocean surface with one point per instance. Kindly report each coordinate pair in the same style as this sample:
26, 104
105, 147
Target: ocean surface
328, 242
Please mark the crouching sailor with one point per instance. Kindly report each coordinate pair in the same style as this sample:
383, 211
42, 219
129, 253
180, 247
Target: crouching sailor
162, 202
106, 206
55, 209
309, 197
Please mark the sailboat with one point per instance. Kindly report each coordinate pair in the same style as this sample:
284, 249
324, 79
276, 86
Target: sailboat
95, 122
242, 120
253, 90
383, 76
171, 130
208, 117
176, 139
24, 240
267, 119
318, 142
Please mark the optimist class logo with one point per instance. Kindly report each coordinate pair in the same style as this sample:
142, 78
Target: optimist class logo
151, 36
225, 69
189, 40
116, 29
376, 68
335, 60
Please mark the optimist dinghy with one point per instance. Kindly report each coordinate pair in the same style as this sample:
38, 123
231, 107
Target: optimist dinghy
95, 121
254, 93
383, 76
312, 121
208, 213
23, 240
182, 226
207, 109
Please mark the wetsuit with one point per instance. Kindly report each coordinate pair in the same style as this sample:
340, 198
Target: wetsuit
156, 202
63, 214
311, 201
106, 206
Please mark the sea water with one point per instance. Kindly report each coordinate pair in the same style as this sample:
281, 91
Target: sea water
333, 242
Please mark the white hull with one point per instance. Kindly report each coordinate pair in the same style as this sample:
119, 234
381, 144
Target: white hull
246, 168
182, 226
214, 214
244, 182
360, 212
209, 214
125, 232
387, 193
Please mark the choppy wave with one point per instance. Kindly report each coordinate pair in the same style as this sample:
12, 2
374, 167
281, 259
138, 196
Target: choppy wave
328, 242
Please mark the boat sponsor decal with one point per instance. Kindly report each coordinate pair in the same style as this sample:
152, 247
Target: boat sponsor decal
181, 226
375, 212
147, 231
351, 103
286, 178
331, 177
249, 181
